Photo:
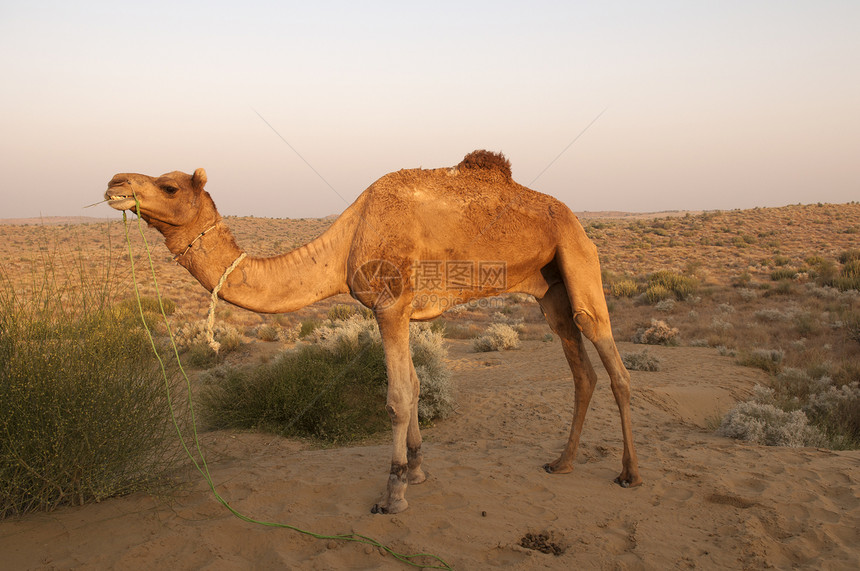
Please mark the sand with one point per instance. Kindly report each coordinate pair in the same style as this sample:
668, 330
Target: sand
707, 502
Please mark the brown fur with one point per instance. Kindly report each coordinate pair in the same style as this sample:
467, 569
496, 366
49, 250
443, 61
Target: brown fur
473, 216
486, 160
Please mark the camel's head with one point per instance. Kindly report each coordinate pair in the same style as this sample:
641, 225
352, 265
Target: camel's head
174, 199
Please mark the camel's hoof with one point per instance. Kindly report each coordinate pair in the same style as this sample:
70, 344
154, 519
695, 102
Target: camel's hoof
416, 477
553, 469
627, 483
393, 508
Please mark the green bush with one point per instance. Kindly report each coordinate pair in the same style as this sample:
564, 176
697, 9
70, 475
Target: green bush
849, 276
83, 410
849, 256
769, 360
783, 273
680, 286
343, 311
624, 288
657, 293
307, 327
332, 389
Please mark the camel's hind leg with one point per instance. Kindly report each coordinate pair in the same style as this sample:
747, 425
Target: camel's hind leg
581, 274
556, 307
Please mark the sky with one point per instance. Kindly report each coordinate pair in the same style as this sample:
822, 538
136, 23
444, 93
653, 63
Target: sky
294, 108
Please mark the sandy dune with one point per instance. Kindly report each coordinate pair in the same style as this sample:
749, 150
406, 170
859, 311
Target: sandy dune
707, 502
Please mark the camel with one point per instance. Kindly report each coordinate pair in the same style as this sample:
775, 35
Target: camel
415, 243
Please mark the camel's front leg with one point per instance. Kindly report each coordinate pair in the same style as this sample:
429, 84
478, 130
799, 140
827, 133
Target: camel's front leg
402, 398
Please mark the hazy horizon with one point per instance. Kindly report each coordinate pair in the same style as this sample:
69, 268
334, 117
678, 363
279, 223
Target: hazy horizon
621, 106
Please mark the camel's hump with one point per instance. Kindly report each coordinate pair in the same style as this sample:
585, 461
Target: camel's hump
486, 160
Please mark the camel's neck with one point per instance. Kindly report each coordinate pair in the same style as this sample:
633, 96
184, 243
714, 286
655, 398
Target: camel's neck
278, 284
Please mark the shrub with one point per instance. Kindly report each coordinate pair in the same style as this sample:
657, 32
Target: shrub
747, 294
267, 332
83, 408
852, 326
794, 386
642, 361
290, 333
624, 288
849, 256
837, 411
833, 407
742, 280
770, 314
333, 389
343, 311
850, 269
127, 310
768, 425
191, 338
455, 330
823, 270
497, 337
769, 360
725, 351
782, 273
726, 308
783, 287
307, 327
429, 357
658, 333
657, 293
849, 276
720, 324
681, 286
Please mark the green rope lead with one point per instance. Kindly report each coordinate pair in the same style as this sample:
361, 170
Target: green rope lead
200, 464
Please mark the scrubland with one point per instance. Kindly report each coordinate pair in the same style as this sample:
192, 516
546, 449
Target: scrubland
742, 324
776, 288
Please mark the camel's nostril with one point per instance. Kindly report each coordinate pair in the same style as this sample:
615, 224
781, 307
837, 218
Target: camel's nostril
118, 180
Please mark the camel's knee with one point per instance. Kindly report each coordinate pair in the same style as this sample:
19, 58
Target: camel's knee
395, 413
586, 323
399, 411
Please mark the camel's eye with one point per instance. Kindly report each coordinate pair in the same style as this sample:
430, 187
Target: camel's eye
170, 189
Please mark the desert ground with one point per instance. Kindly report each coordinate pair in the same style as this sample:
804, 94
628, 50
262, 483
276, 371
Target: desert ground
707, 501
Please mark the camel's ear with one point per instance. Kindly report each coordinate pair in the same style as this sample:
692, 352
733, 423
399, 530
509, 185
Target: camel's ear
198, 180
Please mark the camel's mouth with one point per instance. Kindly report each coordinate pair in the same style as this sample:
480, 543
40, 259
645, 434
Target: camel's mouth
120, 201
